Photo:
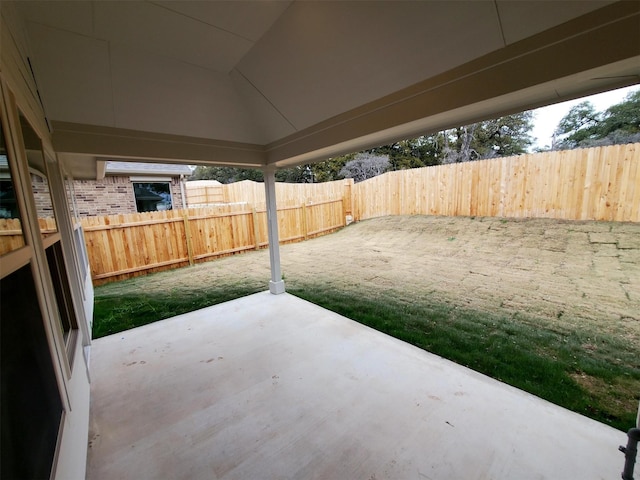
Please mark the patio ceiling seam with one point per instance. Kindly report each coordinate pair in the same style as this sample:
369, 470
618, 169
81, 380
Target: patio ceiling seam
504, 40
284, 117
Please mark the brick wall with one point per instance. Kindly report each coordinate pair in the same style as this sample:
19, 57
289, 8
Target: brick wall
112, 195
40, 188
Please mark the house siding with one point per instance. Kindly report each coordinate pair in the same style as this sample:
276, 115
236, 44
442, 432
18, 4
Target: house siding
112, 196
19, 98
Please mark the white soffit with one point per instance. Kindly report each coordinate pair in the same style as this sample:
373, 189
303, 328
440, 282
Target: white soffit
154, 29
162, 95
210, 34
520, 20
247, 19
70, 16
329, 57
270, 123
75, 75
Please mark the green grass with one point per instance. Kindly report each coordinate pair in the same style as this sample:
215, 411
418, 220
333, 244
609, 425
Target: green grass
587, 372
601, 381
116, 311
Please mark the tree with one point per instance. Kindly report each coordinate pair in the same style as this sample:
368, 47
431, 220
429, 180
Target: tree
623, 118
329, 170
579, 124
325, 171
503, 136
292, 175
410, 153
365, 165
226, 174
583, 126
499, 137
457, 145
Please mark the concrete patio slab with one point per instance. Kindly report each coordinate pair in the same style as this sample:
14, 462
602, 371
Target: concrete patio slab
274, 387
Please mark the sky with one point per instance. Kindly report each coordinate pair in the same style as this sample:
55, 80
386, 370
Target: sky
546, 119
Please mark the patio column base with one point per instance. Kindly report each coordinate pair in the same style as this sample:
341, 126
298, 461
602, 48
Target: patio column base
276, 287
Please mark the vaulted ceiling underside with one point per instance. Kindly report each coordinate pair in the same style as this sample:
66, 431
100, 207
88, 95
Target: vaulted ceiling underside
283, 83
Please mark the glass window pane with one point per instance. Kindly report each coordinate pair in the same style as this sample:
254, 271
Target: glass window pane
30, 399
11, 236
44, 206
153, 196
38, 175
58, 272
71, 196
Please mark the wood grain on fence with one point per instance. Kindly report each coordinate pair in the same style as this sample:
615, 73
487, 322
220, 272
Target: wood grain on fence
204, 192
123, 246
247, 191
601, 183
11, 237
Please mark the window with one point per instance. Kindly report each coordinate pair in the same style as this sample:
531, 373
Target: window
152, 196
38, 327
41, 191
39, 181
8, 205
11, 237
58, 272
81, 248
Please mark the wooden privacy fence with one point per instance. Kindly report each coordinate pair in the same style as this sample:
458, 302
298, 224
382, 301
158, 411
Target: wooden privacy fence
601, 183
12, 237
122, 246
206, 192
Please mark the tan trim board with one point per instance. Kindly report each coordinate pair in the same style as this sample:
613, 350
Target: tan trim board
122, 143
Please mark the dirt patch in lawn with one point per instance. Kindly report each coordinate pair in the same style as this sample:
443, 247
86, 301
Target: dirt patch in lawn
565, 274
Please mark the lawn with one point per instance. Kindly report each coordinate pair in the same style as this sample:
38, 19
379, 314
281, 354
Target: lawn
555, 366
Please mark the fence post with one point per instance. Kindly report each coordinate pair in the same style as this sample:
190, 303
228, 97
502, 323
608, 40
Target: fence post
304, 221
187, 233
254, 217
347, 200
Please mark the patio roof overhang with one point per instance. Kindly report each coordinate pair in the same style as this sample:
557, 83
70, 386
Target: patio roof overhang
276, 84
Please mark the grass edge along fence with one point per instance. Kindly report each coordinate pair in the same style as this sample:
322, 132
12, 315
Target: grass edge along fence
601, 183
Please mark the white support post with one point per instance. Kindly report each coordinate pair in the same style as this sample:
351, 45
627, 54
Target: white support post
276, 284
